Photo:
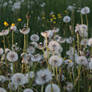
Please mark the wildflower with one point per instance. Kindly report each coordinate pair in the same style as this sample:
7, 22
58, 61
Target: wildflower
28, 90
52, 88
85, 10
66, 19
12, 56
55, 61
19, 19
19, 79
13, 27
2, 90
25, 31
90, 42
6, 23
43, 76
34, 38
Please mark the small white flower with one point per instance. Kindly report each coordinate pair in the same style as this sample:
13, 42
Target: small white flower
85, 10
52, 88
12, 56
55, 61
28, 90
43, 76
66, 19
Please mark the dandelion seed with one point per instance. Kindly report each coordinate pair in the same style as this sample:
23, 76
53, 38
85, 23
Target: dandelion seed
12, 56
43, 76
66, 19
52, 87
55, 61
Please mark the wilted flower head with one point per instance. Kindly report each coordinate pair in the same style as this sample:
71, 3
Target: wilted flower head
43, 76
12, 56
4, 32
85, 10
66, 19
52, 88
25, 30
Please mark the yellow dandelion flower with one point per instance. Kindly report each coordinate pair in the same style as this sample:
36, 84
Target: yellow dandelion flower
54, 22
6, 23
59, 15
51, 19
12, 24
19, 19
